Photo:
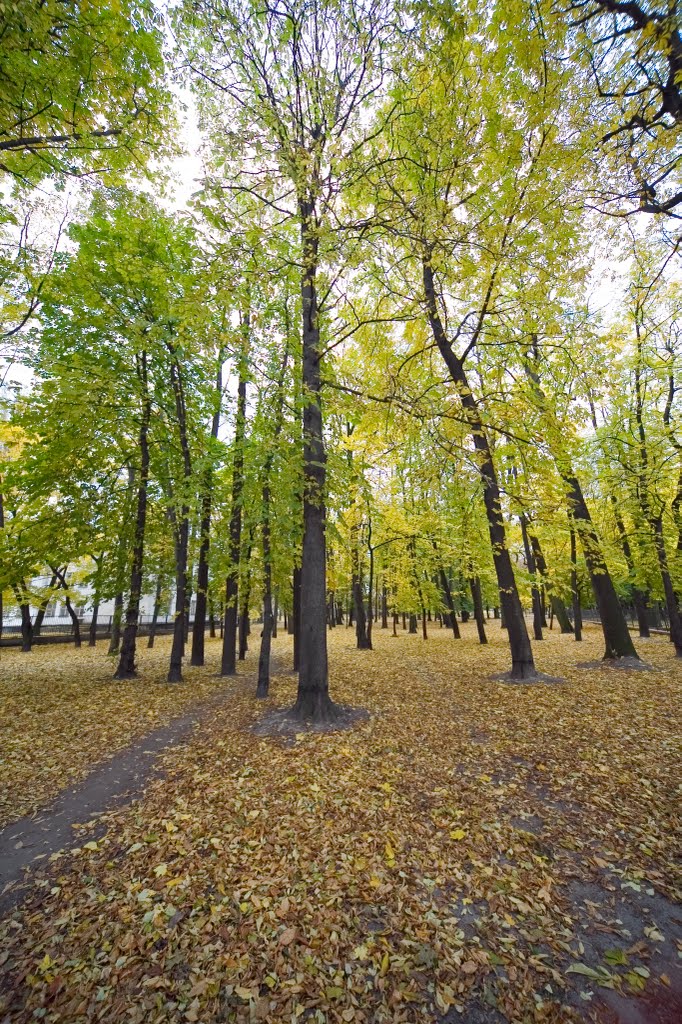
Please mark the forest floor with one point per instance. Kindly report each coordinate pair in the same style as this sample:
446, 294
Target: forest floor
473, 851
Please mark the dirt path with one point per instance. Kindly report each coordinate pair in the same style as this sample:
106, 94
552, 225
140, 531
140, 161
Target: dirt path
30, 841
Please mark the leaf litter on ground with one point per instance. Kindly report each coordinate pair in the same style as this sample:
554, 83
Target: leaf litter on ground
462, 846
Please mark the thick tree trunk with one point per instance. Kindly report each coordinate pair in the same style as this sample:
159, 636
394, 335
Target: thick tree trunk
413, 623
313, 701
228, 665
126, 666
614, 626
523, 665
475, 587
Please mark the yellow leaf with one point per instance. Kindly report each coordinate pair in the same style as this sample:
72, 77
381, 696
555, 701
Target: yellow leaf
457, 833
243, 993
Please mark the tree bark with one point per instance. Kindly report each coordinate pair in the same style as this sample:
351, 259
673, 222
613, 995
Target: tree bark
557, 605
475, 587
199, 628
61, 576
181, 526
313, 701
614, 626
228, 665
523, 665
575, 590
155, 613
673, 612
296, 617
126, 666
535, 592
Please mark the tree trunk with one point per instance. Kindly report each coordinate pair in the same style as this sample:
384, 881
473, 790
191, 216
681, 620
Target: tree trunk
614, 626
60, 575
384, 606
523, 665
244, 620
535, 592
639, 597
362, 641
575, 590
475, 587
557, 605
296, 617
449, 603
413, 623
26, 624
155, 613
115, 638
313, 701
126, 665
673, 612
228, 665
181, 528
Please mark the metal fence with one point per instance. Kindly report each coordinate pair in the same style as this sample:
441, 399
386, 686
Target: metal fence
61, 630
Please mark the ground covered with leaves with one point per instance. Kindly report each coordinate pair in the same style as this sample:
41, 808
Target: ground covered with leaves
474, 851
62, 712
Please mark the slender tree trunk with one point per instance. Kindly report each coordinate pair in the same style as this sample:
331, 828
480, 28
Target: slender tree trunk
155, 613
296, 617
115, 638
575, 590
425, 635
362, 640
449, 603
535, 593
523, 666
211, 618
313, 700
126, 665
228, 665
673, 612
181, 527
26, 624
263, 684
617, 639
244, 620
639, 597
475, 587
40, 614
275, 613
384, 605
557, 605
60, 575
370, 590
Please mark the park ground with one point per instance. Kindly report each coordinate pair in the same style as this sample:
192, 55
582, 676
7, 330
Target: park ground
471, 851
